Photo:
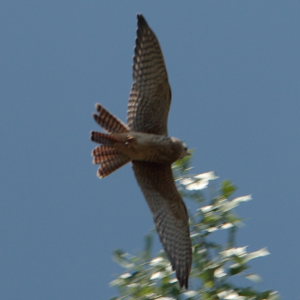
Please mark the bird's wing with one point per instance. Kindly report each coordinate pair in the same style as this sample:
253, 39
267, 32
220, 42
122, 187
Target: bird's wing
150, 96
169, 213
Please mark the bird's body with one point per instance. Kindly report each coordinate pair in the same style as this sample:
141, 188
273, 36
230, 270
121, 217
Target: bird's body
138, 146
145, 142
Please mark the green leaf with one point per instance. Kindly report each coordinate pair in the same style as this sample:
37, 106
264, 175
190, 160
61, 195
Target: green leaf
228, 188
237, 269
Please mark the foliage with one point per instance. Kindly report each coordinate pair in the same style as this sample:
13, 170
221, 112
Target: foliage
217, 266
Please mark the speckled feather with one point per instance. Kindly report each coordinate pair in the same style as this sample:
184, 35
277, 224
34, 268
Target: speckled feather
150, 96
169, 214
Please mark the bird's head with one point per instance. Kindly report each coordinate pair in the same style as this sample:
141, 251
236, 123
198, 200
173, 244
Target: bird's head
180, 148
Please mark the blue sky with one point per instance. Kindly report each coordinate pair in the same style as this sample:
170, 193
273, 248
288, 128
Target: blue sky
234, 70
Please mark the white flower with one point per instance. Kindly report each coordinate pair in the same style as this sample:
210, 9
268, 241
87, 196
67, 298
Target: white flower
226, 226
207, 208
156, 275
219, 273
125, 275
190, 293
238, 251
230, 295
198, 182
258, 253
156, 261
253, 277
229, 205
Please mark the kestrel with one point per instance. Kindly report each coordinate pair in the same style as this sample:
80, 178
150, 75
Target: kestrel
145, 142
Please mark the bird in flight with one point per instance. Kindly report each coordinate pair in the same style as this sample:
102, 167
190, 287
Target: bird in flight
145, 142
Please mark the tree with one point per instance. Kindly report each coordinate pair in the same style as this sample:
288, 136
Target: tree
219, 265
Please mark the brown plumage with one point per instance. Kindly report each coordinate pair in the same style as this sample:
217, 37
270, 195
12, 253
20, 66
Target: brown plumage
109, 158
150, 95
108, 121
145, 143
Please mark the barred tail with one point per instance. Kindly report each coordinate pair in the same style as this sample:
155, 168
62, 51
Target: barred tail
102, 138
106, 155
108, 121
109, 158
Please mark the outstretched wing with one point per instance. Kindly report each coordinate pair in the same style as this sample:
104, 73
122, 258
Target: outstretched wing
150, 96
169, 213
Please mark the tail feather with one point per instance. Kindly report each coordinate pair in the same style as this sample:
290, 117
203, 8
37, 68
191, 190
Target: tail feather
103, 159
106, 155
104, 150
109, 159
103, 138
108, 121
111, 165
